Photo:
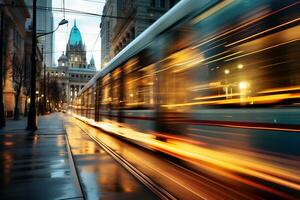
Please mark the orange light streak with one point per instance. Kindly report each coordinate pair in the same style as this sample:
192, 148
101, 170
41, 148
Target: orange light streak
223, 160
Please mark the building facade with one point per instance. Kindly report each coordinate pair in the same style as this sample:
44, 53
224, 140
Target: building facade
73, 71
44, 24
16, 57
124, 20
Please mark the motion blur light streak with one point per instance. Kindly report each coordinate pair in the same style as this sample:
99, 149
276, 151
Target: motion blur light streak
263, 32
218, 90
282, 89
224, 160
264, 49
207, 40
260, 99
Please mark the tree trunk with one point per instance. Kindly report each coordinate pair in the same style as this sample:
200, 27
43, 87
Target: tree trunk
25, 111
17, 112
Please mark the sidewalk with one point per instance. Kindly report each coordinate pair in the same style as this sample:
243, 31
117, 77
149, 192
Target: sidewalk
39, 165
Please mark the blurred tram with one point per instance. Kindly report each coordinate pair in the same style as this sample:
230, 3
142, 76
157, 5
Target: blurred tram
208, 63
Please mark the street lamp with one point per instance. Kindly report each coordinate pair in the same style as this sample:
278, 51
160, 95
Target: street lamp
32, 117
62, 22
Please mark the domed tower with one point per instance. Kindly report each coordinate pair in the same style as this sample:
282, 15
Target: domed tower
75, 50
92, 63
63, 60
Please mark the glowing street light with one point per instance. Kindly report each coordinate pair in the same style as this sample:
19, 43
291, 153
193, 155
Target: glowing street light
240, 66
226, 71
243, 85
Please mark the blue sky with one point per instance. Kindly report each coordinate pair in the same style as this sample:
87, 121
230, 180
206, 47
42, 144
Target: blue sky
88, 26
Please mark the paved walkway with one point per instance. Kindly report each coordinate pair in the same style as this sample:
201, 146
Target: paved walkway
37, 165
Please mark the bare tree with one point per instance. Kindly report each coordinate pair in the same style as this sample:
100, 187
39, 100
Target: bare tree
55, 93
18, 78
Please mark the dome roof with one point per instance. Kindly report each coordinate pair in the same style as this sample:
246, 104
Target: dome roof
63, 58
75, 36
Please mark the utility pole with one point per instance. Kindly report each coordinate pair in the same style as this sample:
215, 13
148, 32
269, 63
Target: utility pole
2, 117
44, 86
32, 118
44, 99
48, 91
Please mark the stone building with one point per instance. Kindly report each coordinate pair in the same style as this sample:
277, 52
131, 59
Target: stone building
124, 20
73, 71
44, 24
16, 56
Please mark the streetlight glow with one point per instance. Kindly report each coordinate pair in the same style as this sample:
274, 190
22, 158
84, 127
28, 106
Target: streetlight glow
227, 71
240, 66
243, 85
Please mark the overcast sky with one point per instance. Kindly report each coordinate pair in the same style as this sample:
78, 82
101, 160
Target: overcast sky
88, 26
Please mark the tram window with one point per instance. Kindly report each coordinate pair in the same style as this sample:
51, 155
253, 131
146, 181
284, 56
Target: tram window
225, 65
176, 78
131, 65
139, 88
115, 84
106, 96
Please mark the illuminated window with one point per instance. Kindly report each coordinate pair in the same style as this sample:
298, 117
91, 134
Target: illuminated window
139, 88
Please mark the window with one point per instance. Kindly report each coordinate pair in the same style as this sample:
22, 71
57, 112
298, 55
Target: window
152, 3
76, 59
106, 99
115, 86
139, 87
162, 3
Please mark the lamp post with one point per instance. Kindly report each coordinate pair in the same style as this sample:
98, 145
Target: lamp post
32, 118
32, 115
44, 88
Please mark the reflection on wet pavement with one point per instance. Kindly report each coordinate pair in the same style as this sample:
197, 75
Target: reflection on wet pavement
36, 166
100, 175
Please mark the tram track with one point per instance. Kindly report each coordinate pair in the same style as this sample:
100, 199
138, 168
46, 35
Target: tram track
150, 184
190, 183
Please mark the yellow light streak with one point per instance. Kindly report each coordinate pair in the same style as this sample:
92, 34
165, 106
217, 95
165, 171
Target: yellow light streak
259, 99
229, 161
211, 11
281, 89
216, 96
264, 49
214, 37
262, 32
